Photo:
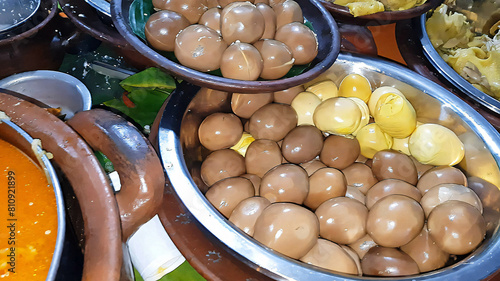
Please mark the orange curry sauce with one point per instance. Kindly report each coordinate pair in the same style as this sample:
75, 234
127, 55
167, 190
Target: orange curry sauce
28, 217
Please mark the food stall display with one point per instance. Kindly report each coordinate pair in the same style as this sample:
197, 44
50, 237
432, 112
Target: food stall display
255, 140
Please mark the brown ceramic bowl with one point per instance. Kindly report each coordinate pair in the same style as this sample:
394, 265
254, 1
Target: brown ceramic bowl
36, 44
99, 26
342, 14
323, 23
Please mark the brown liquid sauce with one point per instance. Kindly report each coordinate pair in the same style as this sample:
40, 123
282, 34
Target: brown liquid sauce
28, 217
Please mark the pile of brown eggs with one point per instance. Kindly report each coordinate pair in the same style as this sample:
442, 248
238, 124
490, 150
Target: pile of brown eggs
343, 178
245, 40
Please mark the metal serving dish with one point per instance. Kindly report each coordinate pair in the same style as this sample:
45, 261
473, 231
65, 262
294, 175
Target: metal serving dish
16, 136
477, 12
181, 154
342, 14
53, 88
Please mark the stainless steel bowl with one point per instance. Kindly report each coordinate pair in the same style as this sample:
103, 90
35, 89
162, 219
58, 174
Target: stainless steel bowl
477, 12
16, 136
181, 155
54, 88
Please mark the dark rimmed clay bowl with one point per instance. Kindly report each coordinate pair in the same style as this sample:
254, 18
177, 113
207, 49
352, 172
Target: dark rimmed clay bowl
408, 38
341, 13
186, 208
325, 28
36, 45
100, 27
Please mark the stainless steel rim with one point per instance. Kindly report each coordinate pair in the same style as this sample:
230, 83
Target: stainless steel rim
450, 74
278, 266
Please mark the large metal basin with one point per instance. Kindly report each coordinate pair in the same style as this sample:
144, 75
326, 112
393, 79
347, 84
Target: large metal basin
181, 155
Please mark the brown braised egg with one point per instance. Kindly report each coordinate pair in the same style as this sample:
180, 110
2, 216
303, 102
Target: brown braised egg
272, 121
490, 196
244, 105
277, 58
456, 227
354, 256
301, 41
241, 21
312, 166
222, 164
211, 18
261, 156
208, 101
286, 96
382, 261
287, 11
241, 61
285, 183
245, 214
342, 220
339, 152
255, 181
220, 130
395, 220
329, 255
324, 184
389, 164
302, 144
269, 20
287, 228
191, 9
354, 193
162, 27
224, 3
363, 245
438, 175
391, 186
424, 251
360, 176
227, 193
199, 47
446, 192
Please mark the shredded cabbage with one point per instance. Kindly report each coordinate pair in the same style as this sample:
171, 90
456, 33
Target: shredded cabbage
474, 57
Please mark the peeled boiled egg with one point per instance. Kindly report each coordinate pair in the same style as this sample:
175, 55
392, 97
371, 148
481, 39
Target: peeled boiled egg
357, 86
305, 104
340, 116
324, 89
395, 115
436, 145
